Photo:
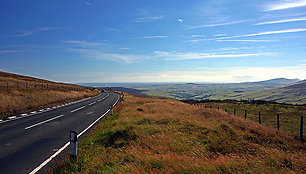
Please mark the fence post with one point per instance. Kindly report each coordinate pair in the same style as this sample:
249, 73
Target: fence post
245, 114
259, 117
277, 122
218, 108
210, 107
73, 146
234, 112
301, 129
225, 110
26, 84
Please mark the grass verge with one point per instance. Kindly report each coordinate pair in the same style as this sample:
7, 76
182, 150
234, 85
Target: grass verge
148, 135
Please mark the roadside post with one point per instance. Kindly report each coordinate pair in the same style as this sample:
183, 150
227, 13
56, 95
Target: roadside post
277, 122
234, 112
121, 101
111, 109
259, 117
245, 114
301, 129
73, 146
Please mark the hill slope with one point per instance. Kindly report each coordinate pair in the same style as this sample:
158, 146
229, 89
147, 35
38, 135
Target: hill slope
293, 94
166, 136
20, 94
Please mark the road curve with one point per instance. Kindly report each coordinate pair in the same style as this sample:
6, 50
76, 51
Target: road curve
27, 142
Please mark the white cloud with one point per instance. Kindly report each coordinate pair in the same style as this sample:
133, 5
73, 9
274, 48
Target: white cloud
83, 43
25, 33
124, 48
266, 33
30, 32
282, 21
244, 40
193, 55
215, 25
151, 37
197, 35
218, 35
180, 20
98, 54
145, 16
9, 51
287, 4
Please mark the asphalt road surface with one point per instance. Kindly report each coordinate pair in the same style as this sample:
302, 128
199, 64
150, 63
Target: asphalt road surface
26, 143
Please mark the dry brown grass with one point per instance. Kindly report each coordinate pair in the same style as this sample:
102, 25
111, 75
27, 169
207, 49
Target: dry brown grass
19, 94
167, 136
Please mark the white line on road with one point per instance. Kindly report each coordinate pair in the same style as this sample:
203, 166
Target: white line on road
92, 103
78, 109
68, 143
43, 122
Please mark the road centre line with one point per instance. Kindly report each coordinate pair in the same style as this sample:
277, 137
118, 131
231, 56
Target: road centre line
92, 103
78, 109
68, 143
43, 122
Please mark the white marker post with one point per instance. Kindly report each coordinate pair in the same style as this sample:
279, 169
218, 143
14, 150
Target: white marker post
111, 109
73, 145
121, 101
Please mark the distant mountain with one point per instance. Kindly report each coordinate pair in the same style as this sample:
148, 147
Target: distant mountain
298, 85
279, 81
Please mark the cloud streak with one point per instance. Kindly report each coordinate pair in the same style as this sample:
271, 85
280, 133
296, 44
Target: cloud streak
282, 21
294, 30
281, 5
151, 37
192, 55
215, 25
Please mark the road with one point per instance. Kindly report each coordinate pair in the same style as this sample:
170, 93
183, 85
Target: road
27, 142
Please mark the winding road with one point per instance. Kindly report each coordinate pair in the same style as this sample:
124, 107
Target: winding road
29, 142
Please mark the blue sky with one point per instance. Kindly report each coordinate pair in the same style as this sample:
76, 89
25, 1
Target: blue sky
154, 41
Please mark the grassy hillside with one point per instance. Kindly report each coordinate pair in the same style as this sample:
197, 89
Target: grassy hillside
266, 90
166, 136
290, 115
20, 94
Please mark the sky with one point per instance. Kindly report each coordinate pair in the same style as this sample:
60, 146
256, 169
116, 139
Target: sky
81, 41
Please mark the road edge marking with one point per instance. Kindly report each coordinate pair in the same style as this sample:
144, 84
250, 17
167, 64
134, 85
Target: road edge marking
68, 143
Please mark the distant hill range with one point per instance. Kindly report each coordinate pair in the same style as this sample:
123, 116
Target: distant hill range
293, 93
279, 81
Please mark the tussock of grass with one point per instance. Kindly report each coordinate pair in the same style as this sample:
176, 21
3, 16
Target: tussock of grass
166, 136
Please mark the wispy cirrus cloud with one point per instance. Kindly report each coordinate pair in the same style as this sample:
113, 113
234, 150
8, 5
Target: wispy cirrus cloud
282, 21
145, 16
83, 43
24, 33
219, 35
100, 54
9, 51
151, 37
94, 51
287, 4
193, 55
246, 40
294, 30
215, 25
223, 39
